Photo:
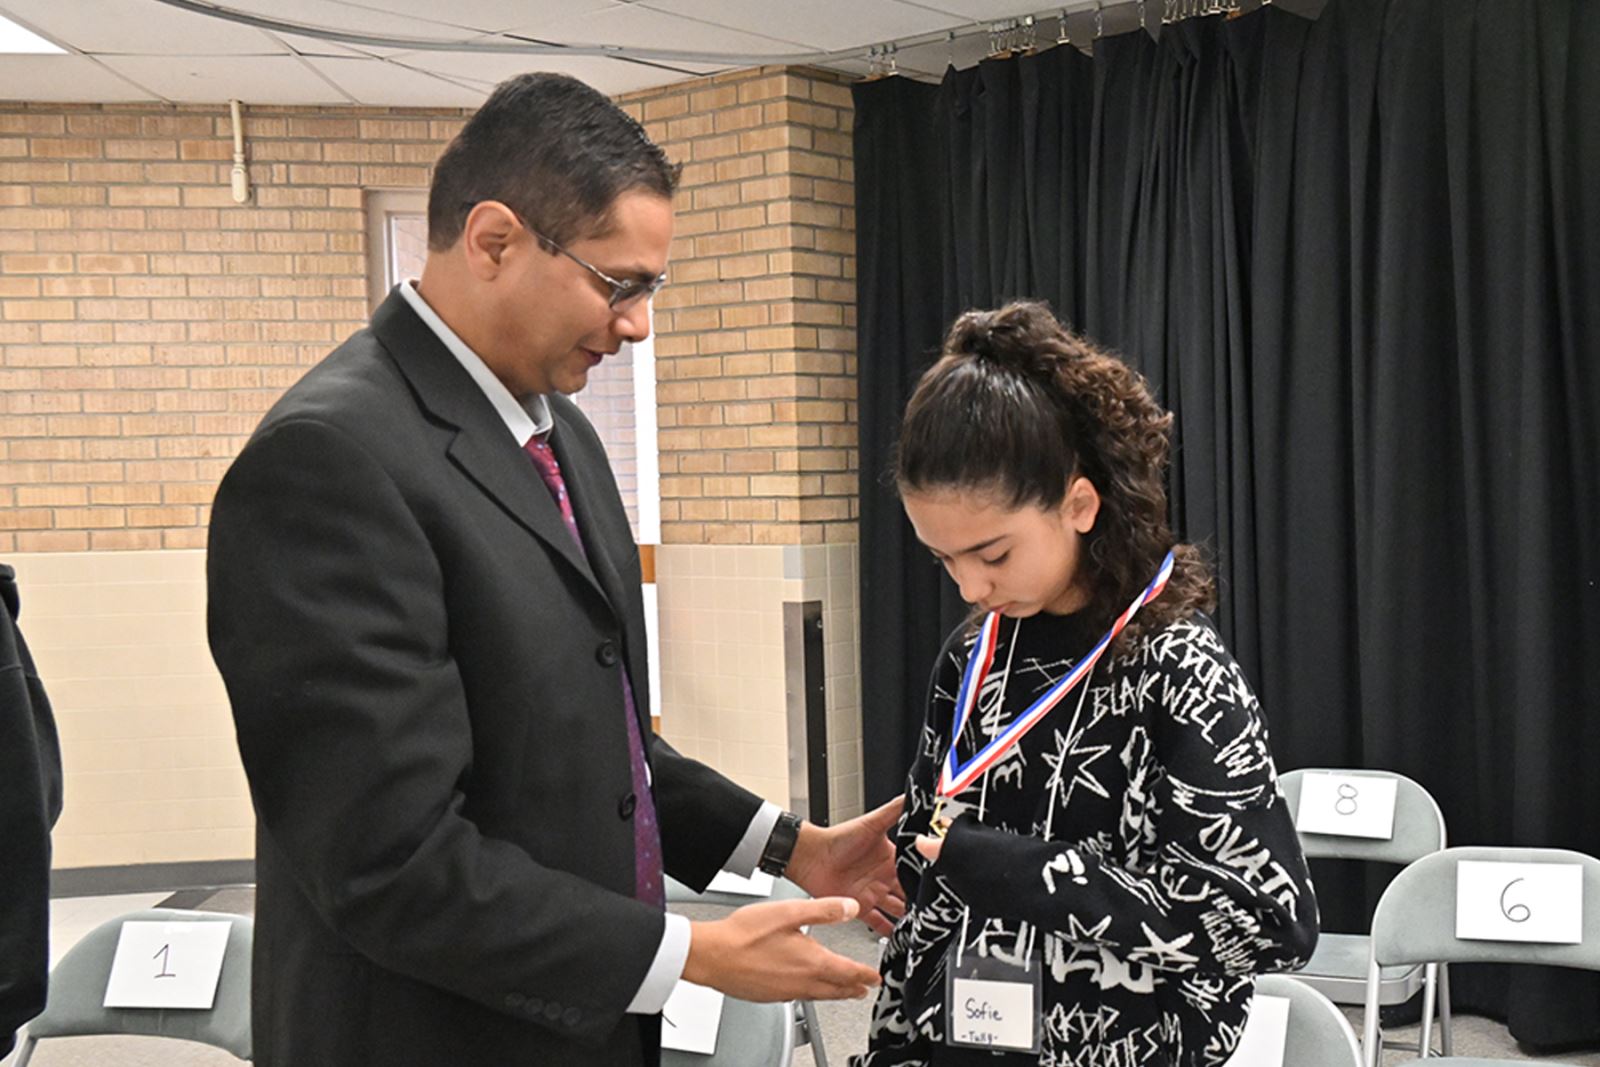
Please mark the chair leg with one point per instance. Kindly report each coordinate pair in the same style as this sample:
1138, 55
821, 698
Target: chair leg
1446, 1042
24, 1051
1430, 993
818, 1053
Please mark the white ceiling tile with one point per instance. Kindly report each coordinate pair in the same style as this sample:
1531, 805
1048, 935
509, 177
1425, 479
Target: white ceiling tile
138, 27
205, 79
78, 79
637, 26
610, 76
824, 25
489, 15
354, 18
995, 10
373, 81
316, 46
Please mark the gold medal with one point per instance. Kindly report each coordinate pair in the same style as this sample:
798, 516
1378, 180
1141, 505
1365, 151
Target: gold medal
939, 825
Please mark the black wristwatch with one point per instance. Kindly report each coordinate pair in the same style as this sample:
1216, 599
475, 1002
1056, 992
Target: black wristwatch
780, 845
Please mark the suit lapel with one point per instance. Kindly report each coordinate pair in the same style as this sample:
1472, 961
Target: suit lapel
482, 447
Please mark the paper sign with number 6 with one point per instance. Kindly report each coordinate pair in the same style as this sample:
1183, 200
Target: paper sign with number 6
1535, 902
1346, 805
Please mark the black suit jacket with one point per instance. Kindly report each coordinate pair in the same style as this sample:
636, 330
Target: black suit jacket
423, 673
30, 800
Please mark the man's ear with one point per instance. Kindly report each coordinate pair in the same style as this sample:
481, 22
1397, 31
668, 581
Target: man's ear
1082, 506
490, 230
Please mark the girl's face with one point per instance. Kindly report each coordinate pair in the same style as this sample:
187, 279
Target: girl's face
1017, 561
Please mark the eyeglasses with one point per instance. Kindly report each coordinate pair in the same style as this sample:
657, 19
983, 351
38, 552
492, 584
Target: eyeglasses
624, 292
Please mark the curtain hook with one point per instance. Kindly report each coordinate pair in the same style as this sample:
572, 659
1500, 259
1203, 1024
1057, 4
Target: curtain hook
1099, 20
1061, 28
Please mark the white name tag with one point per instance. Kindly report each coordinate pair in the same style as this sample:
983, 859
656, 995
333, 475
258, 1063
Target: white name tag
998, 1014
759, 884
1265, 1034
691, 1018
1539, 902
167, 965
1346, 805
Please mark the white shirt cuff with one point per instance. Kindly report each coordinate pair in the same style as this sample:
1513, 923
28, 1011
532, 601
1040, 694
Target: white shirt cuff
747, 853
665, 969
673, 952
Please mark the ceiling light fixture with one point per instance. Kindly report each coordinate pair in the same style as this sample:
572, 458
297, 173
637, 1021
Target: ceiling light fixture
18, 40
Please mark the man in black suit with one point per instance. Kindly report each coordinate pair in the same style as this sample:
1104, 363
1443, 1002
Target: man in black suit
30, 801
425, 602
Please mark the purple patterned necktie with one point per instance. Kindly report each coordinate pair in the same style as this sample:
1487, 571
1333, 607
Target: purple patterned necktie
648, 885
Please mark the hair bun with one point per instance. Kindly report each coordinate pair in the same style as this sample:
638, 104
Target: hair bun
1017, 337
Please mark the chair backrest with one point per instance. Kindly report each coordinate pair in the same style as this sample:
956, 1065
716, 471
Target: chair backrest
750, 1035
1415, 921
1319, 1034
1418, 822
78, 987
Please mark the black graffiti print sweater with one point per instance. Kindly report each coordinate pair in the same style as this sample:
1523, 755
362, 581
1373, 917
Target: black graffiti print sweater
1134, 838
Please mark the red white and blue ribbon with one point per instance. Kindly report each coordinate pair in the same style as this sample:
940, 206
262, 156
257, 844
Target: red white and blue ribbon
952, 778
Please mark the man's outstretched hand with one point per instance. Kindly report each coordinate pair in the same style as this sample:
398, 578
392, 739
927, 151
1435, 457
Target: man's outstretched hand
762, 953
856, 860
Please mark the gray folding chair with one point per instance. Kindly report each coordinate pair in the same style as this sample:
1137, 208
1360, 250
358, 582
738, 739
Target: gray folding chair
1319, 1034
1416, 923
78, 987
750, 1035
1338, 967
807, 1031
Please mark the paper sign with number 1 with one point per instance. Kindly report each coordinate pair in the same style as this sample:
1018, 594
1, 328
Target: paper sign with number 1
167, 965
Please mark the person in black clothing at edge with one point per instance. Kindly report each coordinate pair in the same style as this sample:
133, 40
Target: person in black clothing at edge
1106, 846
30, 801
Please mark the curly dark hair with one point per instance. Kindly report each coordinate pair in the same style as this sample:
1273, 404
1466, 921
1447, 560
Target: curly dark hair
1018, 406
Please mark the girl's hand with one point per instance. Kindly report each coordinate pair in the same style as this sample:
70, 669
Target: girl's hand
930, 847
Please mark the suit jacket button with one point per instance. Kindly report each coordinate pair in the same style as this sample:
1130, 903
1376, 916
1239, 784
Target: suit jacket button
552, 1011
626, 805
606, 654
572, 1017
513, 1000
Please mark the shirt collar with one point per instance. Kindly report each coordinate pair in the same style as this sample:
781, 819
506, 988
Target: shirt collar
526, 418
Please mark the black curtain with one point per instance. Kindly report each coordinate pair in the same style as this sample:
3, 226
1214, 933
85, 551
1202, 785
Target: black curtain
1360, 259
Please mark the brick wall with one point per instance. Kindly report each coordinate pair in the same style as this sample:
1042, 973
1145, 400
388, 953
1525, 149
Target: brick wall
147, 321
755, 335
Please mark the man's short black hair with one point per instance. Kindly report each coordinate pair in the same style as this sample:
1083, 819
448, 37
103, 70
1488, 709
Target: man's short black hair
551, 148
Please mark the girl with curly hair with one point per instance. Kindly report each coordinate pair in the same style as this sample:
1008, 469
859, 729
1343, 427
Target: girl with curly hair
1094, 850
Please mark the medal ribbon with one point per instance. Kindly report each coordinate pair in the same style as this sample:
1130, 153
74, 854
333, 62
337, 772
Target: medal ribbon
952, 778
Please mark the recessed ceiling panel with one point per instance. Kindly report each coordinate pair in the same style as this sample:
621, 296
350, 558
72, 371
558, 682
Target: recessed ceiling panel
488, 15
208, 79
822, 25
76, 79
375, 82
335, 15
611, 76
138, 27
996, 10
637, 26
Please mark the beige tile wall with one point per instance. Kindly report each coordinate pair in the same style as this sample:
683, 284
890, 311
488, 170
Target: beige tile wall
152, 771
722, 653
